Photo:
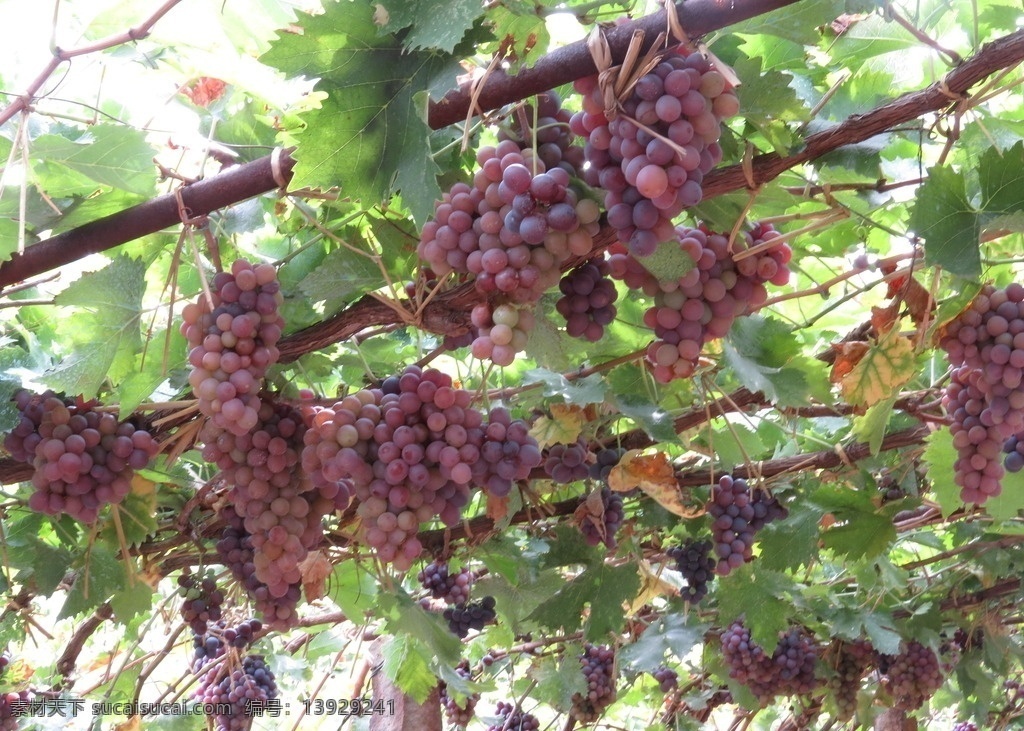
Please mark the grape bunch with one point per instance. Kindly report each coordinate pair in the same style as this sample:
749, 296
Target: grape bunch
651, 156
604, 460
473, 615
233, 338
702, 304
911, 676
508, 453
964, 726
453, 588
985, 396
565, 463
201, 601
544, 126
502, 330
738, 513
1013, 448
587, 301
14, 705
236, 552
82, 459
850, 661
789, 670
599, 516
667, 678
409, 451
510, 718
695, 562
455, 713
598, 663
244, 691
213, 643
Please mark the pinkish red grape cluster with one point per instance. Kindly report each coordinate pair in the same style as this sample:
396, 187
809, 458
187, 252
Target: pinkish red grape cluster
985, 395
912, 676
598, 663
410, 451
738, 513
512, 718
599, 516
201, 601
245, 691
701, 305
232, 336
651, 157
549, 135
453, 588
587, 301
459, 713
82, 459
695, 562
788, 671
850, 662
565, 463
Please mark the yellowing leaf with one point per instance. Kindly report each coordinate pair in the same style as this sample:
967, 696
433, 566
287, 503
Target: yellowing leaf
315, 568
845, 357
562, 427
885, 367
653, 474
142, 486
651, 586
132, 724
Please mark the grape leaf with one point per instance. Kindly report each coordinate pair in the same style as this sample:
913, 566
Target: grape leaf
407, 663
112, 155
105, 331
1001, 178
757, 597
342, 276
371, 126
101, 575
668, 262
860, 535
673, 632
888, 364
558, 678
434, 23
519, 28
793, 542
948, 223
582, 391
604, 588
758, 349
652, 473
870, 427
408, 618
853, 622
656, 421
562, 427
766, 95
1010, 501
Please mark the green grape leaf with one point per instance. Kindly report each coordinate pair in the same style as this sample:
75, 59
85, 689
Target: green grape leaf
407, 663
944, 217
755, 594
1001, 178
582, 391
668, 262
766, 95
353, 589
758, 349
604, 588
434, 23
517, 26
558, 679
870, 427
101, 575
790, 543
675, 633
860, 535
113, 155
342, 276
940, 456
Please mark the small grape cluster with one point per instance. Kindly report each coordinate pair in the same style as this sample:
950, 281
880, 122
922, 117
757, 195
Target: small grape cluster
244, 691
702, 304
850, 661
587, 301
453, 588
550, 134
1013, 448
599, 516
14, 706
201, 601
232, 336
738, 513
565, 463
468, 616
965, 726
651, 156
985, 395
912, 676
82, 459
455, 713
695, 562
213, 643
604, 460
508, 452
788, 671
511, 718
666, 677
598, 664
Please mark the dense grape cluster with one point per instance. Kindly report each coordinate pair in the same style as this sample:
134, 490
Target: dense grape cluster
565, 463
985, 395
511, 718
587, 301
965, 726
652, 154
604, 460
212, 644
233, 338
667, 678
82, 459
508, 453
789, 670
695, 562
244, 690
473, 615
598, 663
459, 714
702, 304
599, 516
1013, 448
453, 588
14, 706
201, 601
738, 513
544, 126
850, 661
911, 676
